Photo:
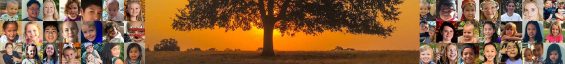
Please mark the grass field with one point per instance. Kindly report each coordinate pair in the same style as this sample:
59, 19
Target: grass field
284, 57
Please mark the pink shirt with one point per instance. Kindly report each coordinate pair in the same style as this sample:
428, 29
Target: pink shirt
554, 39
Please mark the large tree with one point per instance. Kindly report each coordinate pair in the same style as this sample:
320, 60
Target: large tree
290, 16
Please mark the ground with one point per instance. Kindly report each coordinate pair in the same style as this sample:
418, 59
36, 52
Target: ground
284, 57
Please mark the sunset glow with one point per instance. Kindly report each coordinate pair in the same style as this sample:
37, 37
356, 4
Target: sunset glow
160, 20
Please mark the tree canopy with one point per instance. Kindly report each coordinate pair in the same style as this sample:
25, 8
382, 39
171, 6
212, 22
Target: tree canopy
291, 16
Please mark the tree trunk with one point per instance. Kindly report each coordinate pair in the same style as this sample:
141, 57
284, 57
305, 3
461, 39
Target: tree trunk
269, 24
268, 37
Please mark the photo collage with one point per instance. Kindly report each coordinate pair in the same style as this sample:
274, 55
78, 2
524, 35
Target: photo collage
491, 31
72, 32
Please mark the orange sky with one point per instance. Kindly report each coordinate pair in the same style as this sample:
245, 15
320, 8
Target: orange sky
160, 13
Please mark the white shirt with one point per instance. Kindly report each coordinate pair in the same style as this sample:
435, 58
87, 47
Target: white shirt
28, 61
514, 17
118, 17
7, 17
118, 38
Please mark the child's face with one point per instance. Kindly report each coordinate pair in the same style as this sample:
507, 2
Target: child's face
116, 51
30, 51
12, 9
468, 32
11, 32
488, 30
111, 32
528, 54
73, 10
33, 10
134, 53
69, 53
531, 30
560, 5
89, 49
49, 9
509, 32
92, 13
113, 9
425, 56
510, 7
50, 50
554, 30
553, 55
511, 50
424, 9
9, 48
468, 55
90, 57
490, 52
548, 3
452, 52
490, 10
447, 33
538, 50
134, 9
69, 31
51, 34
469, 13
89, 32
530, 11
424, 27
32, 32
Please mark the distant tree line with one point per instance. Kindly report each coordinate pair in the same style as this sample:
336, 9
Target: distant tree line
169, 44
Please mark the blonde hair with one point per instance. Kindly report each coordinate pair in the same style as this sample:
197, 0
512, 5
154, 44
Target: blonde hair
32, 23
531, 2
88, 24
551, 28
490, 2
473, 26
426, 3
140, 15
13, 2
55, 11
36, 25
426, 47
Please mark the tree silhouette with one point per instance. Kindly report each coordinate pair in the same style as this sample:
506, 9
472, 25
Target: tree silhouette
167, 45
289, 17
